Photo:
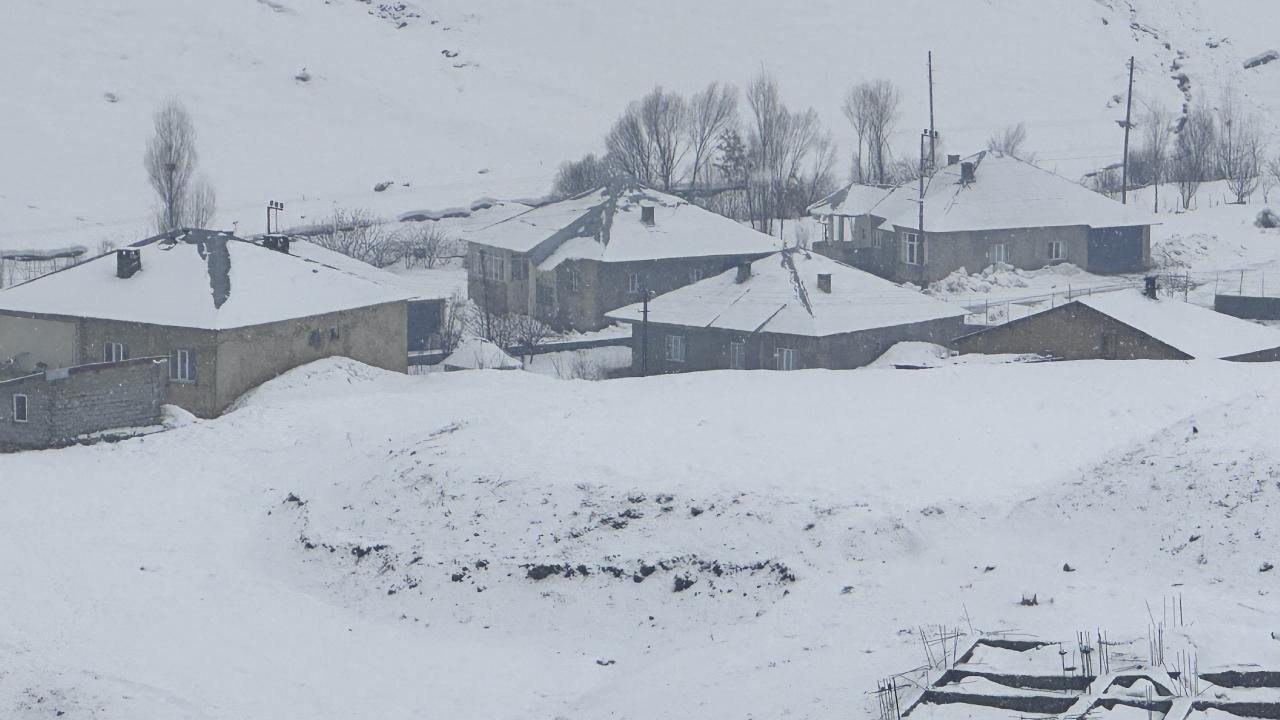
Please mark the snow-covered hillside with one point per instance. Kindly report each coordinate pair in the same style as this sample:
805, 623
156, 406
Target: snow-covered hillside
354, 543
314, 102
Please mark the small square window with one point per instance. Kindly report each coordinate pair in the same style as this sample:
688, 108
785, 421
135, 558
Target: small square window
114, 352
182, 366
633, 283
912, 249
998, 253
1057, 250
333, 334
785, 358
695, 275
19, 408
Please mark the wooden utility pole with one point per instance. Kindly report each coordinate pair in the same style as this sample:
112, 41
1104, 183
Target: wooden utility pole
933, 136
644, 334
1128, 124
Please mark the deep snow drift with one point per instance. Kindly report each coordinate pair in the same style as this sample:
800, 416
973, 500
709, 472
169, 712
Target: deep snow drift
355, 543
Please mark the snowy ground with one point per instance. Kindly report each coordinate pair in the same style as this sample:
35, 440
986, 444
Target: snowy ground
377, 552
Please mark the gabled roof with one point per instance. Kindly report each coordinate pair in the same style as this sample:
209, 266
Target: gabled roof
1197, 331
199, 279
1006, 193
782, 296
851, 201
606, 225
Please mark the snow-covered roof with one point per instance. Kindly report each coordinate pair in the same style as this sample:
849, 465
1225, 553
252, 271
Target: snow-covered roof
478, 354
1197, 331
435, 284
851, 201
199, 279
606, 225
1006, 193
782, 296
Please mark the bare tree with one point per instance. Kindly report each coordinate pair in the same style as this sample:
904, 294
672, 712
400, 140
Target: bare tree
817, 178
579, 176
1273, 177
201, 204
1154, 155
630, 147
663, 115
1011, 141
1193, 153
455, 323
872, 109
1239, 147
711, 112
780, 144
361, 235
527, 333
170, 160
428, 244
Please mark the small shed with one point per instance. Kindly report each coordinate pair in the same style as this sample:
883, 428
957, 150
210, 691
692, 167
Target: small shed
1127, 325
478, 354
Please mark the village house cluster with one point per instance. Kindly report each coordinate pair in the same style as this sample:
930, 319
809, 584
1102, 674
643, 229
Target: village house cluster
196, 318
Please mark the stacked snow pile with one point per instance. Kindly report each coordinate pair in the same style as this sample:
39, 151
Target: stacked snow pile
923, 355
478, 354
997, 276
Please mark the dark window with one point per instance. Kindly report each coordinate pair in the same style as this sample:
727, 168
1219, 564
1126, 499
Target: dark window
333, 334
314, 338
633, 282
519, 269
20, 408
546, 295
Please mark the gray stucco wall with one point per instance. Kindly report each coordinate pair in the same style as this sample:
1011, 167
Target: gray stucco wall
708, 348
250, 356
1249, 307
70, 402
30, 340
1069, 332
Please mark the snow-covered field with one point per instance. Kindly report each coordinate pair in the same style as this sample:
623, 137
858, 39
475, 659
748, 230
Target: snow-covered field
314, 102
355, 543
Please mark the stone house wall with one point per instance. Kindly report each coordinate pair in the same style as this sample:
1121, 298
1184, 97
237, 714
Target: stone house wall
1073, 331
69, 402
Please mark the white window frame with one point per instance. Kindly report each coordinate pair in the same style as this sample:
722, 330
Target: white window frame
180, 370
493, 267
675, 348
114, 352
784, 358
633, 283
695, 274
912, 248
738, 355
1057, 250
575, 280
998, 253
26, 407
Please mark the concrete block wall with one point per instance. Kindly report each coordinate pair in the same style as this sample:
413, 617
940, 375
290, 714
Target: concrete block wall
66, 403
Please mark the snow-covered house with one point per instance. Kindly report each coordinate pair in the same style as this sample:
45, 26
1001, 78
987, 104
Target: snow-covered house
229, 314
568, 263
985, 209
789, 310
1127, 325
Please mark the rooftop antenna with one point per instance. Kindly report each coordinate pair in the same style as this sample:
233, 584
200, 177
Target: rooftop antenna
273, 207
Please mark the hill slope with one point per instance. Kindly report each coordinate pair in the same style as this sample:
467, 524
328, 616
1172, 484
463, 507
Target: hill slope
462, 98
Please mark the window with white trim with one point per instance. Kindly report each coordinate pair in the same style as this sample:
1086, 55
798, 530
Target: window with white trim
633, 283
675, 348
575, 279
785, 358
998, 253
695, 275
493, 267
912, 248
1057, 250
19, 408
114, 352
182, 366
737, 356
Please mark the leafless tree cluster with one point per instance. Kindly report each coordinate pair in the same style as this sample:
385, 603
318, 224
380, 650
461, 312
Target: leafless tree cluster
1012, 142
872, 110
170, 161
427, 245
1193, 152
1150, 163
361, 235
776, 165
1240, 150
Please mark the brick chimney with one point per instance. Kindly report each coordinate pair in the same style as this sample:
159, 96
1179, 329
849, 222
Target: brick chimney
646, 215
824, 282
744, 272
953, 159
968, 172
279, 243
128, 262
1150, 287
